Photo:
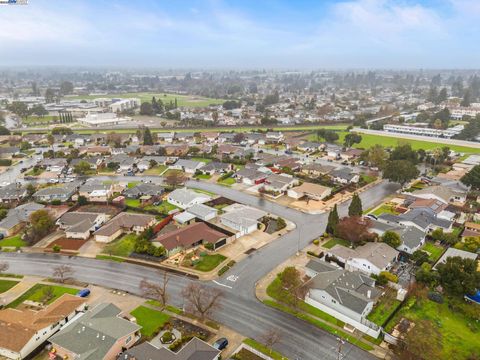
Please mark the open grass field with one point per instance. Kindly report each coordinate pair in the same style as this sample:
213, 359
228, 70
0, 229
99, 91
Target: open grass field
13, 241
459, 333
6, 285
47, 119
182, 100
37, 293
121, 247
150, 320
209, 262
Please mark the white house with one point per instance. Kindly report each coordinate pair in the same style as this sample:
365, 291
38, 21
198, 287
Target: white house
185, 198
244, 219
310, 190
203, 212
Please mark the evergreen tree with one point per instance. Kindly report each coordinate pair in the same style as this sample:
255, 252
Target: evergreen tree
147, 137
176, 103
333, 220
355, 208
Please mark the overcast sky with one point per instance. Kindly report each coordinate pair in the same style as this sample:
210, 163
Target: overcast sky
243, 33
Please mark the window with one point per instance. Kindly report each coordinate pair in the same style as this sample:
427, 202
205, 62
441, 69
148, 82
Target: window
128, 339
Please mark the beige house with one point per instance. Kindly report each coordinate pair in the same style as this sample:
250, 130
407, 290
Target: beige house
124, 223
310, 191
23, 331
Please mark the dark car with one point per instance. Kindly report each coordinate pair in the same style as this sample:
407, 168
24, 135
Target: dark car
83, 293
220, 344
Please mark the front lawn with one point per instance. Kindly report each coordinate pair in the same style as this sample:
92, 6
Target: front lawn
384, 307
13, 241
433, 250
164, 207
205, 160
121, 247
6, 285
156, 170
38, 294
336, 241
459, 333
132, 202
35, 172
209, 262
109, 258
227, 182
150, 320
384, 209
263, 349
203, 176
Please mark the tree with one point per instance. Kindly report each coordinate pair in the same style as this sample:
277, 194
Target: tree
404, 152
400, 171
292, 284
49, 96
467, 98
146, 109
472, 178
62, 273
174, 179
442, 95
355, 229
154, 291
3, 213
66, 87
423, 341
81, 168
391, 238
351, 139
333, 220
419, 257
41, 223
376, 156
459, 276
4, 266
19, 108
331, 136
471, 244
147, 137
238, 137
355, 208
4, 130
82, 200
270, 338
201, 299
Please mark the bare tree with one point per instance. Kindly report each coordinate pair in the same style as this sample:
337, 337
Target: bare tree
156, 291
270, 338
4, 267
62, 273
201, 299
175, 178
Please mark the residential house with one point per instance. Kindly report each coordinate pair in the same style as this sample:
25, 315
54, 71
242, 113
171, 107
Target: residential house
216, 167
346, 295
188, 166
203, 212
166, 136
412, 238
79, 225
195, 349
12, 193
471, 229
9, 151
316, 169
251, 176
189, 237
453, 252
95, 191
53, 165
274, 136
309, 191
226, 137
371, 258
125, 162
310, 147
94, 162
144, 189
123, 223
62, 192
452, 193
279, 183
243, 219
351, 154
23, 331
423, 219
93, 150
185, 198
344, 176
99, 334
18, 216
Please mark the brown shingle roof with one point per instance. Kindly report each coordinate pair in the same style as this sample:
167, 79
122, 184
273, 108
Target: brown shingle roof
125, 221
189, 235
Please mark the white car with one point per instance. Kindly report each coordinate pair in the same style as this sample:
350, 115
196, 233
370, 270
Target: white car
53, 181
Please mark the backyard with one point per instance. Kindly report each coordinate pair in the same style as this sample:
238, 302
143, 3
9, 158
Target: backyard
38, 294
6, 285
384, 307
434, 251
151, 321
459, 333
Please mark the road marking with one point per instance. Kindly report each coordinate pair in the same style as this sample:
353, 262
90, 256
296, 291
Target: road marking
232, 278
216, 282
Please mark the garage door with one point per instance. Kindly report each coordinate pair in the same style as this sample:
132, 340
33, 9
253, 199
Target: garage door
220, 243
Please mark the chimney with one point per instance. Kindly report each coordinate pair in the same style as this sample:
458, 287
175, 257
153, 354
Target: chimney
369, 293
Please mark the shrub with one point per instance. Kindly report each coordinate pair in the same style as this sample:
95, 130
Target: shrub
5, 162
56, 202
436, 297
209, 246
316, 242
231, 263
389, 276
223, 270
167, 337
311, 253
281, 224
56, 248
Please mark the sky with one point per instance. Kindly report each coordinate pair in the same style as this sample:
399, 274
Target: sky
287, 34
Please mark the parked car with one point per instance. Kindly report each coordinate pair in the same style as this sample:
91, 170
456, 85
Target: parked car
220, 344
1, 236
83, 293
22, 170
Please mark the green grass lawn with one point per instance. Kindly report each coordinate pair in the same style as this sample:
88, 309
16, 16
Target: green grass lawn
40, 120
34, 172
132, 202
182, 100
156, 170
209, 262
172, 171
336, 241
13, 241
435, 251
37, 293
109, 258
150, 320
203, 176
121, 247
384, 209
164, 207
264, 349
459, 333
6, 285
200, 191
227, 182
385, 306
132, 184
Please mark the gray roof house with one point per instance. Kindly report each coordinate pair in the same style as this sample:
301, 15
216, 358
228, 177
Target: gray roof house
216, 167
189, 166
195, 349
423, 219
143, 189
412, 237
452, 252
451, 193
58, 192
78, 225
18, 216
185, 198
203, 212
12, 193
244, 219
348, 296
100, 333
344, 176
